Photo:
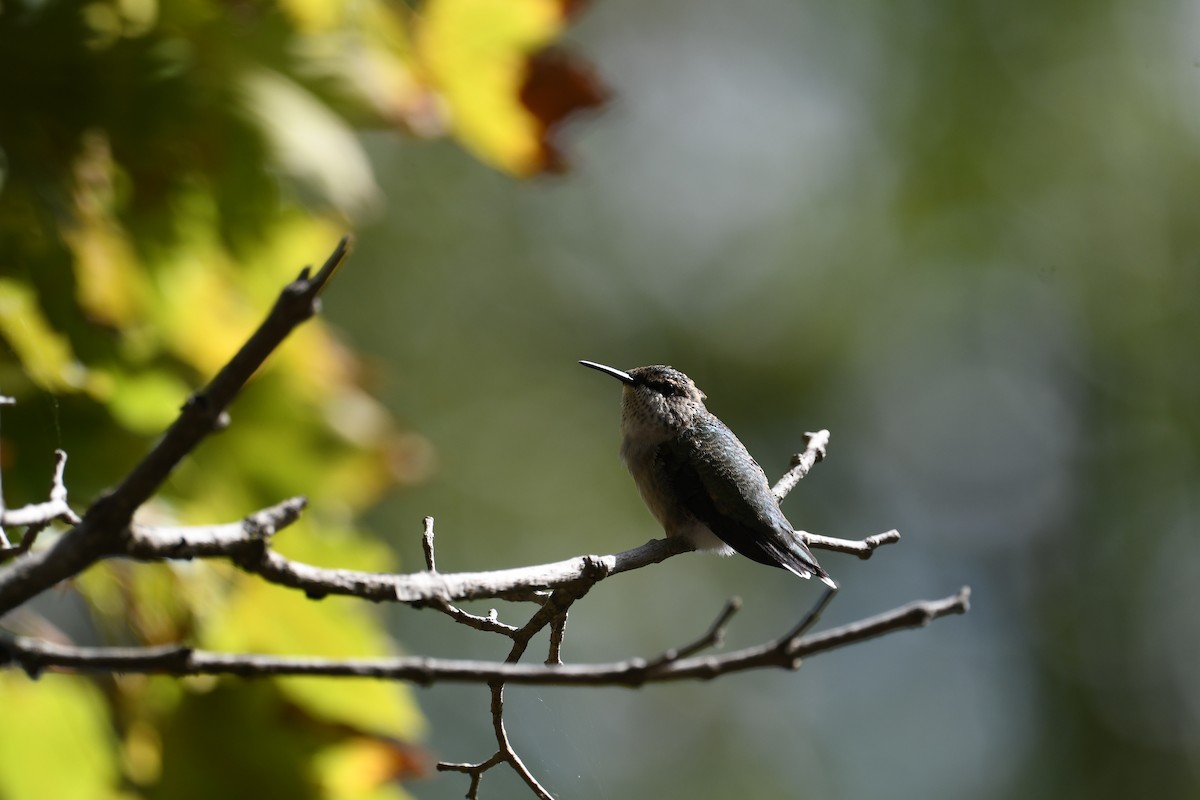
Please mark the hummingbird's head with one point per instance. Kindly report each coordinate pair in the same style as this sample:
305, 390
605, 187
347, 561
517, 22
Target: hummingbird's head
656, 396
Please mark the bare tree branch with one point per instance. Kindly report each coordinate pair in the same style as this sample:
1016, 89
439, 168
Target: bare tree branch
204, 411
99, 534
239, 542
208, 541
36, 656
418, 589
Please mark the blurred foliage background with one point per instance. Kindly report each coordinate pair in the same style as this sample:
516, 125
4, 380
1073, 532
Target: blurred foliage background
963, 237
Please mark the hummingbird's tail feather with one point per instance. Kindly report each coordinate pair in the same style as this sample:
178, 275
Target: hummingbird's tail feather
795, 557
808, 571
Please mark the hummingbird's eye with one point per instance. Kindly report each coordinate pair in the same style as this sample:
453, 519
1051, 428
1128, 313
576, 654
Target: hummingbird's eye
667, 388
663, 382
659, 386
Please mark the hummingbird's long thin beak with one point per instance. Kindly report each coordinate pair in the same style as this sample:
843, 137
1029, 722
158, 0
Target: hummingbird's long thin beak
623, 377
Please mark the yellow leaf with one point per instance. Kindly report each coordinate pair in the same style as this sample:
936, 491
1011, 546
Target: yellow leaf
313, 16
109, 282
476, 53
202, 317
365, 769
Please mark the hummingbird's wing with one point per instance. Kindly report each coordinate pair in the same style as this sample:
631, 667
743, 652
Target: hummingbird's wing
726, 489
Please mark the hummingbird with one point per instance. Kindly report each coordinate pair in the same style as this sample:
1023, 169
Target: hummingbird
697, 478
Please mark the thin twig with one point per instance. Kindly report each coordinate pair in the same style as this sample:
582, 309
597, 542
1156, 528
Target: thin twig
863, 548
813, 615
554, 608
558, 633
505, 749
54, 508
5, 544
815, 445
489, 623
713, 637
37, 517
475, 770
427, 545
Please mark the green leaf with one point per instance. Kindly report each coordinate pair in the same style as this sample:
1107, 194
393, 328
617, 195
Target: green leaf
45, 354
146, 402
57, 739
